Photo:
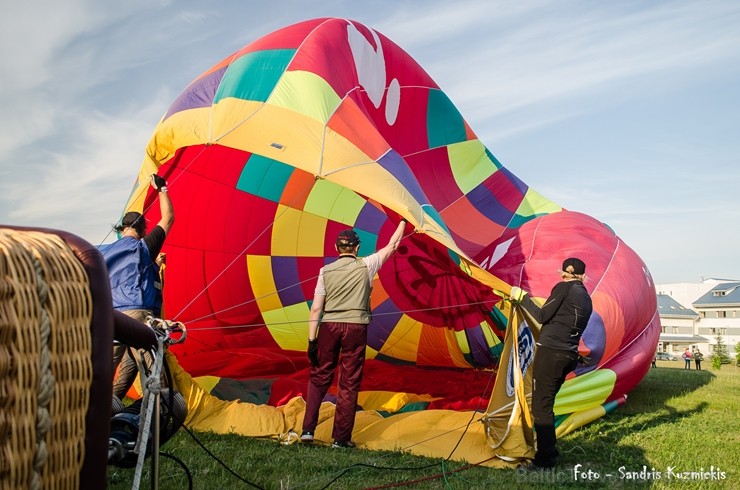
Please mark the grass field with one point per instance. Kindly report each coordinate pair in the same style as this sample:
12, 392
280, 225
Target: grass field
675, 421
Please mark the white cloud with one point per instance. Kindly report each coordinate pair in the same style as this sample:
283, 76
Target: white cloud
45, 64
71, 141
531, 56
84, 188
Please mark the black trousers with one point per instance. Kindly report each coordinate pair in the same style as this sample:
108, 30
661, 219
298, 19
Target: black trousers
551, 366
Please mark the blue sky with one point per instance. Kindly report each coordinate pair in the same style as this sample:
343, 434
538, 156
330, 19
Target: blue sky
626, 111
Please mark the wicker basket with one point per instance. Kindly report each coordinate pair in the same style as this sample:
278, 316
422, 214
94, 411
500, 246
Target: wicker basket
45, 361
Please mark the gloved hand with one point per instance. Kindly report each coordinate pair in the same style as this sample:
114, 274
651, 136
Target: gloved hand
517, 294
313, 352
159, 183
585, 360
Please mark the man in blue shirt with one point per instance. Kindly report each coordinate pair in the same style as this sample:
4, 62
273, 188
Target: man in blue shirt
134, 275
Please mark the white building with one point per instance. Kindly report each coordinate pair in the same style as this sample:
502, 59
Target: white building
678, 327
693, 314
687, 292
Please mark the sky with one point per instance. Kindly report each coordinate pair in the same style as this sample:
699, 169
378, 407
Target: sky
626, 111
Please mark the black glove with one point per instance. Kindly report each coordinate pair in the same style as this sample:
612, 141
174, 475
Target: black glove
158, 182
313, 352
585, 360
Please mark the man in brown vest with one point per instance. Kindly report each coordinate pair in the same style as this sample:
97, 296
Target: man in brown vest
343, 296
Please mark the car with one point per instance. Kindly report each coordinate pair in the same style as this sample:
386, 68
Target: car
665, 356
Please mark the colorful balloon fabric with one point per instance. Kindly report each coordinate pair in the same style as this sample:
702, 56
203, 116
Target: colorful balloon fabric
326, 125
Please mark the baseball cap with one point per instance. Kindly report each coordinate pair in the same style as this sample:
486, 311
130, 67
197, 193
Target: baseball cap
348, 238
132, 218
574, 266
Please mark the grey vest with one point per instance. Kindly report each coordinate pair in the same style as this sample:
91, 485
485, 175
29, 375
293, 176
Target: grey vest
347, 291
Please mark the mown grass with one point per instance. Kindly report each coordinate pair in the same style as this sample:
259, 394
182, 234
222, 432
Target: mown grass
675, 421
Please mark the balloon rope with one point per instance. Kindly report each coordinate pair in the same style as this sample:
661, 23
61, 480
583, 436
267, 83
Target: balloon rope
312, 278
249, 325
638, 336
236, 126
531, 250
143, 189
234, 57
608, 266
241, 254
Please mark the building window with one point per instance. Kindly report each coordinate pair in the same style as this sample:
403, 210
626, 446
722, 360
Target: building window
662, 328
674, 329
721, 314
703, 314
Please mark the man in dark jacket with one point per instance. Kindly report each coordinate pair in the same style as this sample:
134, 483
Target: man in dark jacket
563, 317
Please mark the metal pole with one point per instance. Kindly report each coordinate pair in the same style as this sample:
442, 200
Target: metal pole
155, 443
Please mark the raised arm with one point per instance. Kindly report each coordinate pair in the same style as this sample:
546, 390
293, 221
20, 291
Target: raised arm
545, 312
393, 243
165, 204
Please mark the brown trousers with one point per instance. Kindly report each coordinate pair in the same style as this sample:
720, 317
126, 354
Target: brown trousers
126, 376
343, 345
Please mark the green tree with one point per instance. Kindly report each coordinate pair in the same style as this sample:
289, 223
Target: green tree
737, 354
720, 355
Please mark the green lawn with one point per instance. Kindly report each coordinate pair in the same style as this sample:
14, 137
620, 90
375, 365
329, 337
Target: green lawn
675, 421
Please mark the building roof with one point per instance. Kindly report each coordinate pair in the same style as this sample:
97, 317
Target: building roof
727, 293
668, 306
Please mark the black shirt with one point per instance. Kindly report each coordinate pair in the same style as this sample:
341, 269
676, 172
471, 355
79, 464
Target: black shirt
154, 241
564, 315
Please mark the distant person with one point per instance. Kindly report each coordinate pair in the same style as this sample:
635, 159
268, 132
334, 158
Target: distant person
563, 317
342, 295
655, 360
686, 358
133, 275
698, 357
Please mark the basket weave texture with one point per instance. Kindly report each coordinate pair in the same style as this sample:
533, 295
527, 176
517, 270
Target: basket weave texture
45, 361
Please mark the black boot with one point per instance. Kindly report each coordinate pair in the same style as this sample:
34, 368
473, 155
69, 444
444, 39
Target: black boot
546, 453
